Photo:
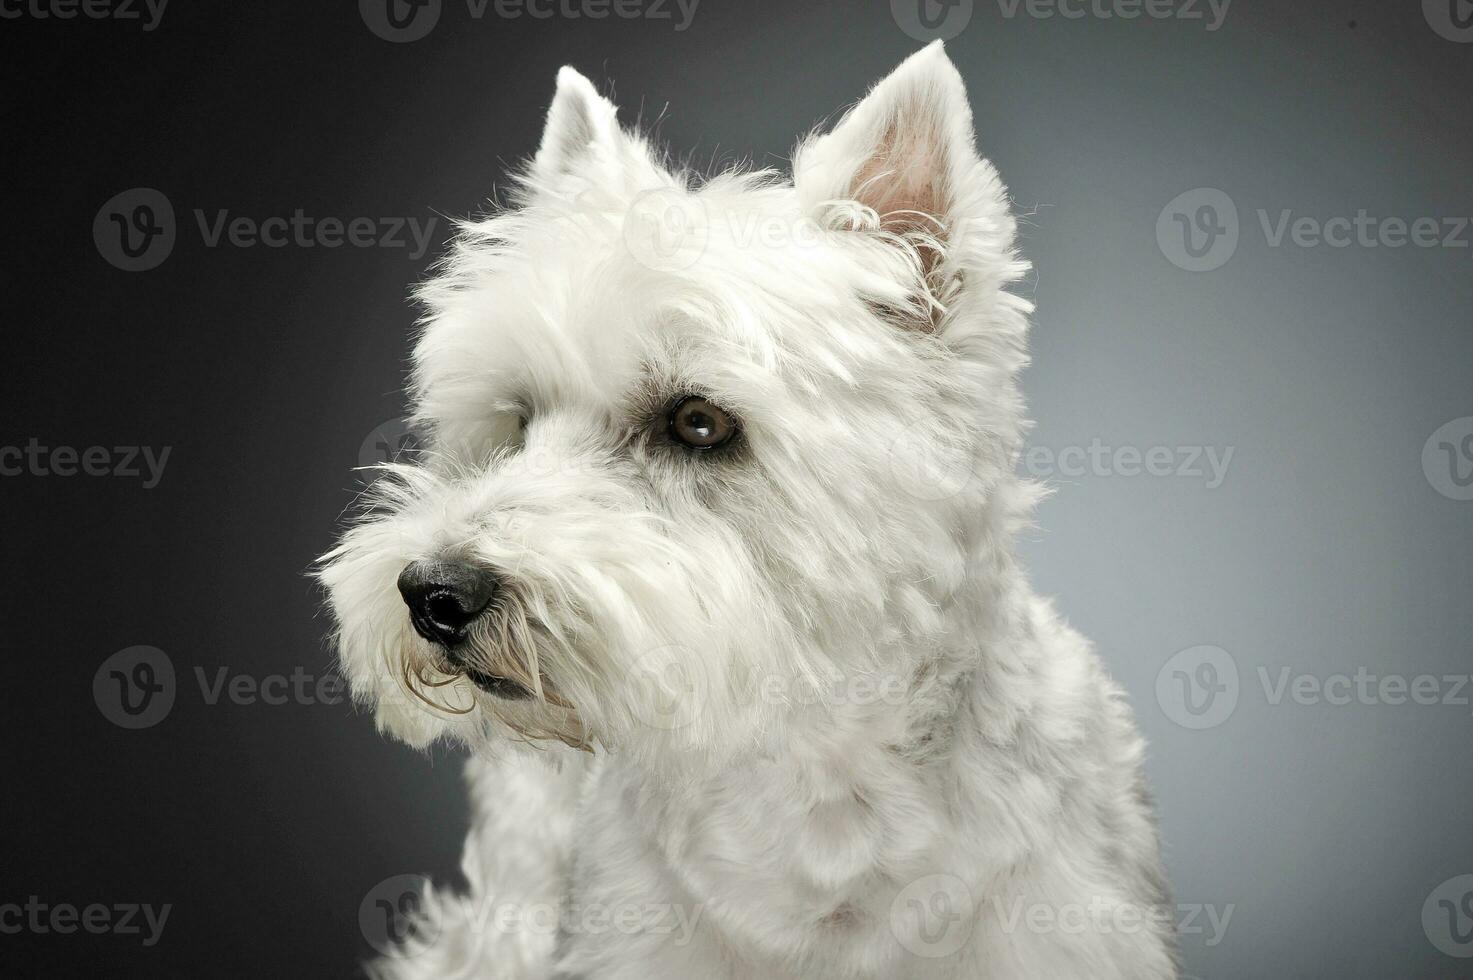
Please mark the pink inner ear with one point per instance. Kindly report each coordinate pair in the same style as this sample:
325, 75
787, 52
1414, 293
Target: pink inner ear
904, 178
904, 181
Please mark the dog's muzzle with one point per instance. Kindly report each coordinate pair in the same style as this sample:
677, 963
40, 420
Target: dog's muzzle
445, 598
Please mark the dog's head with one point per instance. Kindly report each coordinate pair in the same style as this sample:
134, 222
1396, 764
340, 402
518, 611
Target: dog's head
695, 447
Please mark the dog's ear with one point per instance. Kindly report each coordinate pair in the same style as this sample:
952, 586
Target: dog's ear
583, 149
904, 161
582, 129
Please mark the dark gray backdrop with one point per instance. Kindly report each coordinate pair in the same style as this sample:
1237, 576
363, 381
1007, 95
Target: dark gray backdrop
1269, 612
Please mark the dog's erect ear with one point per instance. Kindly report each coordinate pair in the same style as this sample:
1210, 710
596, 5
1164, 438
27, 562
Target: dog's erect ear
582, 128
906, 152
583, 147
902, 151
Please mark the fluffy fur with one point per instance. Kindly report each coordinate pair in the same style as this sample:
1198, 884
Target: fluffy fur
782, 687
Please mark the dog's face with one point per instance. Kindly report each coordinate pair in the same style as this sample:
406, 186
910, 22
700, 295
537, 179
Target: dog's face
695, 448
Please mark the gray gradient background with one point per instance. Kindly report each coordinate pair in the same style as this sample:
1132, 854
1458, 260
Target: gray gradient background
1325, 549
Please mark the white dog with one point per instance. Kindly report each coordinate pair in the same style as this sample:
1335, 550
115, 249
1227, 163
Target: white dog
710, 563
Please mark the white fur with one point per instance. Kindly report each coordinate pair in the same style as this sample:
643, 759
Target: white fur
809, 674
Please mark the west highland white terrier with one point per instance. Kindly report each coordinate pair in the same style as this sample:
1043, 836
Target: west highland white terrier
709, 562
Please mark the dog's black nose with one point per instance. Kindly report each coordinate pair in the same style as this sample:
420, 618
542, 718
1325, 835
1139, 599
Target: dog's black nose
445, 597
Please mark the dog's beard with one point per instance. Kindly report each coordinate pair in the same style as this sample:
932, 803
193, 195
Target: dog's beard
505, 656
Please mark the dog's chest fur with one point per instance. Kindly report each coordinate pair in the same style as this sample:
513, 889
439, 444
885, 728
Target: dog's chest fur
806, 864
790, 860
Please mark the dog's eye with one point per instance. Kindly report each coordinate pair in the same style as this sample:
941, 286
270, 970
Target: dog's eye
699, 424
